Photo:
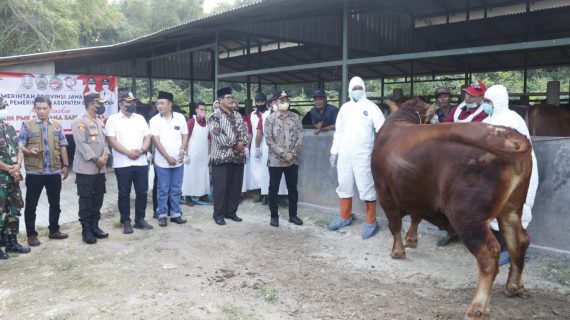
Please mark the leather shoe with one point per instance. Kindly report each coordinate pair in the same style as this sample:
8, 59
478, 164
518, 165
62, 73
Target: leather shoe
127, 227
220, 221
295, 220
56, 235
234, 218
162, 222
142, 224
274, 222
178, 220
33, 241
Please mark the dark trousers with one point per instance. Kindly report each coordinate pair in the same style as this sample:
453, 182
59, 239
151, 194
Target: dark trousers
34, 186
228, 179
91, 190
291, 177
127, 177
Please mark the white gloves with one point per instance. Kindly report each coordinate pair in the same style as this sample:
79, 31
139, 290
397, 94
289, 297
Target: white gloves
258, 153
333, 160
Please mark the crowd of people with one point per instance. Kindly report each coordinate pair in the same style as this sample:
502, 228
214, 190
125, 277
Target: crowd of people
222, 156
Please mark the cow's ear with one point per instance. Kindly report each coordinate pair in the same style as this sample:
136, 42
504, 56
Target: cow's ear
392, 106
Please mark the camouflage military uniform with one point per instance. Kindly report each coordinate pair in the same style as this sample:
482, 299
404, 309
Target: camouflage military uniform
10, 194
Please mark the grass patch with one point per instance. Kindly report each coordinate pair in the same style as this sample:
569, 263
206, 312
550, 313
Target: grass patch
558, 272
62, 265
268, 293
231, 312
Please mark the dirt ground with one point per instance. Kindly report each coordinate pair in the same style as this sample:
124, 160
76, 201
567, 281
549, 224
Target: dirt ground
250, 270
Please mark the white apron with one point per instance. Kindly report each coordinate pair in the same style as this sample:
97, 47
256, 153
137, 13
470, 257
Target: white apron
259, 177
196, 178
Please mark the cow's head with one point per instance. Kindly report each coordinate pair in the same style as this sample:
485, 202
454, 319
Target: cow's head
416, 105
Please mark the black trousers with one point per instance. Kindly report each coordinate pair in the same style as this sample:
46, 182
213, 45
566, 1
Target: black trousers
91, 190
291, 177
228, 179
34, 186
126, 178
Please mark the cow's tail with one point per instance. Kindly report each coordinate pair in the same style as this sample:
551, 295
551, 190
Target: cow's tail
504, 143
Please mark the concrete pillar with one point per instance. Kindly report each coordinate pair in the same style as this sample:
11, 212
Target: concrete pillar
553, 92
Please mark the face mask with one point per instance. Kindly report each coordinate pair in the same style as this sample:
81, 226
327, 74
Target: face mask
471, 105
129, 109
273, 107
488, 108
283, 106
100, 110
356, 94
201, 114
3, 114
105, 87
261, 107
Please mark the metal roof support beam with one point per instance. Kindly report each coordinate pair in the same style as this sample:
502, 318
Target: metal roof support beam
199, 48
343, 91
541, 44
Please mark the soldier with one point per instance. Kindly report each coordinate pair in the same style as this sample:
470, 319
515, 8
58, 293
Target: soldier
44, 147
10, 194
91, 154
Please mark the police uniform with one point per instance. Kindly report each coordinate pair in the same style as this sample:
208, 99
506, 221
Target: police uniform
10, 194
90, 144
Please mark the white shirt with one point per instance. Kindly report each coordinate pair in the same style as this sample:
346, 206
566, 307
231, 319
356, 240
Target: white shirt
170, 132
130, 133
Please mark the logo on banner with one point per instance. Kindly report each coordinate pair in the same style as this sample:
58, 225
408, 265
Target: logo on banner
42, 82
70, 82
27, 81
55, 83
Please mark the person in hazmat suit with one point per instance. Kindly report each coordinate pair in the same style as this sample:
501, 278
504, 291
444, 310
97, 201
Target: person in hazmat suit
357, 123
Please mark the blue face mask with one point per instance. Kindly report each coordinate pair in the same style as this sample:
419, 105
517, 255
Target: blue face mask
356, 94
471, 105
488, 108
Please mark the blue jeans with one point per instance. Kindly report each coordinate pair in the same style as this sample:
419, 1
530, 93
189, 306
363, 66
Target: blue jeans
169, 180
127, 177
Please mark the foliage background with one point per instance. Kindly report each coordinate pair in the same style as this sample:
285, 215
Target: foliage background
33, 26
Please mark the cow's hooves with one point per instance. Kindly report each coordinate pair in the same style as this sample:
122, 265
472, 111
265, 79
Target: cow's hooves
476, 314
411, 243
398, 255
514, 290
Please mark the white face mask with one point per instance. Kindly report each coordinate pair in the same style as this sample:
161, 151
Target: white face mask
3, 114
273, 107
283, 106
357, 94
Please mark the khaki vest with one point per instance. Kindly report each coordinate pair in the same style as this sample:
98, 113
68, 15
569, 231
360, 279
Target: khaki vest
36, 140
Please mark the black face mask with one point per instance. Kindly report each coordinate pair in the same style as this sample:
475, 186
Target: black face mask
261, 107
100, 110
131, 108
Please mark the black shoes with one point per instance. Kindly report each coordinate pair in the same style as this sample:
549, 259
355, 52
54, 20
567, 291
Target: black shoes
178, 220
234, 218
162, 222
127, 227
274, 222
12, 245
220, 221
143, 225
295, 220
87, 233
97, 232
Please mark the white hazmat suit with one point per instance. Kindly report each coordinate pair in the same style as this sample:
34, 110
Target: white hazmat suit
357, 123
503, 116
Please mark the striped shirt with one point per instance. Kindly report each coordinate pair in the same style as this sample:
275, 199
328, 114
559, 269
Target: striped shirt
226, 131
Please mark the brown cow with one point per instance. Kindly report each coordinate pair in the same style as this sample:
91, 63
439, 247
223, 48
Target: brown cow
548, 120
458, 177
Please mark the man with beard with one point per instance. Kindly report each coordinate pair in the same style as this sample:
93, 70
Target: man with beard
90, 160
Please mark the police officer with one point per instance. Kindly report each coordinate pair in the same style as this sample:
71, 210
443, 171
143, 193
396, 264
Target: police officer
10, 194
91, 154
